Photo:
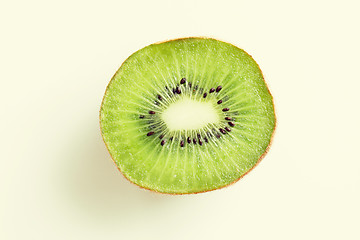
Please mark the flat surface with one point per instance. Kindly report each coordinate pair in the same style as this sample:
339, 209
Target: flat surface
57, 180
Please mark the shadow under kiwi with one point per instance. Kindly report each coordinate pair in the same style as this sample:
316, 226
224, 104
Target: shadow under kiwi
93, 187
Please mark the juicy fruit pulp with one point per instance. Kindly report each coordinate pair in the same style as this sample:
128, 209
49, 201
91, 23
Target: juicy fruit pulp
186, 116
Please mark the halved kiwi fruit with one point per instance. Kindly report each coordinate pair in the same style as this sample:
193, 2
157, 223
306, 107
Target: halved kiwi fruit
187, 116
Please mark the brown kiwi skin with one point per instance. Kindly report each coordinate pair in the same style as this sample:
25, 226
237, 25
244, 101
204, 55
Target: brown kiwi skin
236, 180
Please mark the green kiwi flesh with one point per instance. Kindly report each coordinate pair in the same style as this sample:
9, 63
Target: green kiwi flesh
187, 115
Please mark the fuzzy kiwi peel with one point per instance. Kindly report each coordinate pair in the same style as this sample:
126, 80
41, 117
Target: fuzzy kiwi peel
187, 116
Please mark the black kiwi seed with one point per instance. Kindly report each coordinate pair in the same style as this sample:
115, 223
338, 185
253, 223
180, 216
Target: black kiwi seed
218, 135
161, 136
205, 94
189, 84
218, 88
150, 133
182, 143
151, 112
171, 138
228, 119
178, 90
162, 142
231, 124
189, 140
183, 80
219, 102
198, 135
227, 129
196, 87
141, 116
222, 131
225, 109
174, 90
194, 140
206, 140
159, 97
200, 142
212, 90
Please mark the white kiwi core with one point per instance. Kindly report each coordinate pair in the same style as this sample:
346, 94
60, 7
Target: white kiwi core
189, 114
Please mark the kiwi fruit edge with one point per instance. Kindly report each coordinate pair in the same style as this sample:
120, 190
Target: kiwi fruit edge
208, 190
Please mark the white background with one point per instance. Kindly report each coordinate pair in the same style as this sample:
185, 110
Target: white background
57, 180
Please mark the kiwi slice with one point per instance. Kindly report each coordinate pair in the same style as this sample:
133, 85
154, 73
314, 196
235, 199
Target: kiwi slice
187, 116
